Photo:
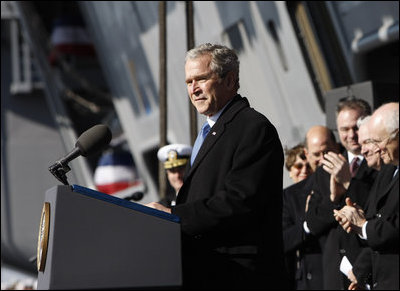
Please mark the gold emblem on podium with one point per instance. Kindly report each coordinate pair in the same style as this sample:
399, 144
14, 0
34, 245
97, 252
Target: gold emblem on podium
43, 237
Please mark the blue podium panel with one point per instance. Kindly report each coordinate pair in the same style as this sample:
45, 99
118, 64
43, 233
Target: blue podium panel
124, 203
99, 241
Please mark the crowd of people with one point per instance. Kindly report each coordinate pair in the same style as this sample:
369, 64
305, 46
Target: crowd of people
341, 223
336, 227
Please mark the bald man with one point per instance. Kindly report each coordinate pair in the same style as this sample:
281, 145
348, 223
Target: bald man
368, 147
319, 140
379, 225
338, 240
333, 181
302, 250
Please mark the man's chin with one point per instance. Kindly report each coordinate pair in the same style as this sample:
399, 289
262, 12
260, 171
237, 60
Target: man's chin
355, 148
200, 109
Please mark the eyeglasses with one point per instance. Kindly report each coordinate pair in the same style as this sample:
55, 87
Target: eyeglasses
299, 166
387, 139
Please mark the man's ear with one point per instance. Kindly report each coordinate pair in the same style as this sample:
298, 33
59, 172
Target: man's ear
230, 79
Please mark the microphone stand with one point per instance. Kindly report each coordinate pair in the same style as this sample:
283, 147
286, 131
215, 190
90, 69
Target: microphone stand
59, 170
92, 140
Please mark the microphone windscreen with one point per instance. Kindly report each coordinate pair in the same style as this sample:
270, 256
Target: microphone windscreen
94, 139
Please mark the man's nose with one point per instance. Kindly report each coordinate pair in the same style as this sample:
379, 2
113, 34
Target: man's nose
305, 168
352, 133
193, 86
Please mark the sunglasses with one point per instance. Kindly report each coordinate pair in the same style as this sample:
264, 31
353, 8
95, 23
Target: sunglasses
299, 166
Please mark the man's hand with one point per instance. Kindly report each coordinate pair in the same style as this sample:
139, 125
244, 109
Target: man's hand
351, 277
308, 200
338, 167
354, 284
337, 190
351, 217
158, 206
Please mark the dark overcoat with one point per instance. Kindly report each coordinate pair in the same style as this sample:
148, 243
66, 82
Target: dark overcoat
303, 255
320, 220
382, 253
230, 205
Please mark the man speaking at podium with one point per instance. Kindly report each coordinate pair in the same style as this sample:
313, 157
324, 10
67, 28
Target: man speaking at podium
230, 203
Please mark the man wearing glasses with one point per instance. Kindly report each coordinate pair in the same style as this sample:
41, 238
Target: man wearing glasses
378, 263
341, 175
303, 256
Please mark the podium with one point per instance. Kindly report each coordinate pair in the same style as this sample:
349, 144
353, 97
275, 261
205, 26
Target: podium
91, 240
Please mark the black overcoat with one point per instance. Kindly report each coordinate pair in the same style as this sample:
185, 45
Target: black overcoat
320, 220
382, 254
303, 255
230, 205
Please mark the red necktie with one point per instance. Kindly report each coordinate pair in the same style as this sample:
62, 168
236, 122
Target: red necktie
354, 166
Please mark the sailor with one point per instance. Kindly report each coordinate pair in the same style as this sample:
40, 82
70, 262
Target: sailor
175, 158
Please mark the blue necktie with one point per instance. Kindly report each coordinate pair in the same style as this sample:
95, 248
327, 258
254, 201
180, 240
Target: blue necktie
199, 140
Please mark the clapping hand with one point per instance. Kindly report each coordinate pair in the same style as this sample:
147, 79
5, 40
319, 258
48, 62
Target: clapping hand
351, 217
338, 167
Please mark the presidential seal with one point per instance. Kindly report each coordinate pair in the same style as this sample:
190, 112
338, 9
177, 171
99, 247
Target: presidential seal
43, 237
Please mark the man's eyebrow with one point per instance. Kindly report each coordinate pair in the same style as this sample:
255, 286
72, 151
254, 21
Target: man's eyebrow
348, 127
368, 140
200, 76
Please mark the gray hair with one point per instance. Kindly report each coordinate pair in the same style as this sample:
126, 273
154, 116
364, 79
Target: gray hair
362, 120
223, 59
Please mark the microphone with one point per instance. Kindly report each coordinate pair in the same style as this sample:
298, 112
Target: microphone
90, 142
136, 196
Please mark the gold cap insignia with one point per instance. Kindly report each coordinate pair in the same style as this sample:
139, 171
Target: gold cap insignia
173, 160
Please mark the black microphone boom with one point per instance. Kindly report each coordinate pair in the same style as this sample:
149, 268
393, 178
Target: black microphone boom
90, 142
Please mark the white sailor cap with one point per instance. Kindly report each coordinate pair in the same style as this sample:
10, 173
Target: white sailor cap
174, 155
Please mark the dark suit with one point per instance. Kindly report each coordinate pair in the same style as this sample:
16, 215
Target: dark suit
382, 254
230, 205
302, 251
322, 223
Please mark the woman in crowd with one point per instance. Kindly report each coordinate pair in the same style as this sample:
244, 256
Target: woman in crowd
296, 163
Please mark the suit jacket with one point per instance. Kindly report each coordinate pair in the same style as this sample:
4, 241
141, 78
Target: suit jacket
303, 255
382, 254
230, 205
320, 220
